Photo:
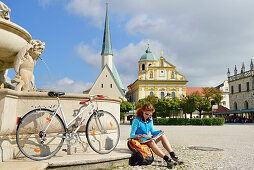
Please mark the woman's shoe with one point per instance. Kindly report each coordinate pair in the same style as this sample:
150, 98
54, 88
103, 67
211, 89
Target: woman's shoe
175, 158
171, 163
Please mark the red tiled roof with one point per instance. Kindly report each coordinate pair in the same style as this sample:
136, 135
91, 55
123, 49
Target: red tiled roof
221, 109
190, 90
87, 90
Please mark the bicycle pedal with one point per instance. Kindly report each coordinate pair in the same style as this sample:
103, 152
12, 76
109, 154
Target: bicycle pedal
65, 150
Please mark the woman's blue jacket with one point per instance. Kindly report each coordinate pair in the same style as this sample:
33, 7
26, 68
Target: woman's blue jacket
140, 126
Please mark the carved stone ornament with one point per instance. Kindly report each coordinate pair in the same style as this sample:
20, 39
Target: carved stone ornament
4, 11
24, 65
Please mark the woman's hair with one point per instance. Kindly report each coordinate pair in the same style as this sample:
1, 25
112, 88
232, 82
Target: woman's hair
145, 107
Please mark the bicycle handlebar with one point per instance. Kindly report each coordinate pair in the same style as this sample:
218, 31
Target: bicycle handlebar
91, 97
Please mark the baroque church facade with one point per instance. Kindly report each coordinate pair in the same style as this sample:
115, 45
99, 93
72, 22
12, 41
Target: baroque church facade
156, 77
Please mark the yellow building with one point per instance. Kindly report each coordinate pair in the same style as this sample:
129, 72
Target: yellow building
156, 77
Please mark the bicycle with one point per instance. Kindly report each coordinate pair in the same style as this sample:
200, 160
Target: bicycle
41, 132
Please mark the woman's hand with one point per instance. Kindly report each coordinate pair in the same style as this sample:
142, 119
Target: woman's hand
139, 136
163, 131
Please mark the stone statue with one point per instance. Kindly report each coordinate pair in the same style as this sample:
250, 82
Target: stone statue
24, 64
4, 12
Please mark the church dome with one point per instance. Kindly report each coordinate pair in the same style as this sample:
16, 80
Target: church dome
148, 55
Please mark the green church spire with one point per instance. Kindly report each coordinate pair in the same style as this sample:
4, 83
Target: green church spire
106, 46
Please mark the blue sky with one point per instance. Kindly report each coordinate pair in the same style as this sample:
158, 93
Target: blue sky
201, 38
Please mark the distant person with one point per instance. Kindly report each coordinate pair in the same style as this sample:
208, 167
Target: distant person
143, 124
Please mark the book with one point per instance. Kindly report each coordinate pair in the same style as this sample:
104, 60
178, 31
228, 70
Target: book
149, 138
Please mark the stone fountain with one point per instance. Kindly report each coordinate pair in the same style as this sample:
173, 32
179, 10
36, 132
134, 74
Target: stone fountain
20, 52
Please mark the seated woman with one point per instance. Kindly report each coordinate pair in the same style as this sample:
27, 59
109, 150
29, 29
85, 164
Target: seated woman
143, 124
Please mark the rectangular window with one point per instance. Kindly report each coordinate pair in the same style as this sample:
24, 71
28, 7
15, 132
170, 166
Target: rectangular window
101, 85
111, 85
239, 87
248, 86
232, 89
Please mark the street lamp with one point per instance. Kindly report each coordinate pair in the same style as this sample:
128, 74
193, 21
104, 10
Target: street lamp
133, 104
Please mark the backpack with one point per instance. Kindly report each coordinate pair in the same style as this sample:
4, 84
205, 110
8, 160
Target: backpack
141, 153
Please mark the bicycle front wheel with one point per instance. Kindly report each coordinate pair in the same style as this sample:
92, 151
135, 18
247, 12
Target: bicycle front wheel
40, 134
102, 132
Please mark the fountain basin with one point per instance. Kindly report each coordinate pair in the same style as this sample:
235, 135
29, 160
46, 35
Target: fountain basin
12, 39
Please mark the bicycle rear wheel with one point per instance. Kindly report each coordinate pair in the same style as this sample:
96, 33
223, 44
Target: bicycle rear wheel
40, 134
102, 132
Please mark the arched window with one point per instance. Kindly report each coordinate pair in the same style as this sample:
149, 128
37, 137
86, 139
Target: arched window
246, 105
162, 95
151, 93
143, 66
235, 106
151, 74
173, 75
161, 63
173, 95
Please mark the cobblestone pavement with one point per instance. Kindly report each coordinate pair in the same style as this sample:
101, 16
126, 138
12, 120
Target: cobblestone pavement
234, 154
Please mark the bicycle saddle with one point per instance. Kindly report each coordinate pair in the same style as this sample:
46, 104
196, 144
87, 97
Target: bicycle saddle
55, 94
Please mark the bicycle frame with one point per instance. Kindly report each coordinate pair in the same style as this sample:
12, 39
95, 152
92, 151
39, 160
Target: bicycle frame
80, 112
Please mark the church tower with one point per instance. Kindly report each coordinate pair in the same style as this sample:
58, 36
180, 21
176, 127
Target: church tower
106, 53
108, 82
157, 77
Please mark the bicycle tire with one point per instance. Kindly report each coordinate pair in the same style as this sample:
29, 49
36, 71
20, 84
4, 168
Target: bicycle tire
31, 138
102, 132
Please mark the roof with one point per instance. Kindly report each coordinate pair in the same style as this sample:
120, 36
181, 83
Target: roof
221, 109
233, 112
191, 90
87, 91
148, 55
106, 46
117, 77
111, 74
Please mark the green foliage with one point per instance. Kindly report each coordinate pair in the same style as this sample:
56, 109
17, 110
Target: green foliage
202, 104
197, 121
122, 115
149, 99
188, 104
217, 98
125, 106
162, 107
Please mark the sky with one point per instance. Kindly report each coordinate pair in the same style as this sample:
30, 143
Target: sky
202, 38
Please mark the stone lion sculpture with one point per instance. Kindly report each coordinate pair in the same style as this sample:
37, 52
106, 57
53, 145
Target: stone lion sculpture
24, 64
4, 12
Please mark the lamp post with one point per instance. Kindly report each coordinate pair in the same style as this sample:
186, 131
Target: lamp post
133, 104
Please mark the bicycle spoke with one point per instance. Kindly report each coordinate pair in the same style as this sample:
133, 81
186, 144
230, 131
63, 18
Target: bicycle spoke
34, 141
102, 132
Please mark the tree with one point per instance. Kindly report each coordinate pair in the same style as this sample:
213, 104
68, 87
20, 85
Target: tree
162, 107
209, 91
149, 99
202, 104
217, 97
188, 105
125, 106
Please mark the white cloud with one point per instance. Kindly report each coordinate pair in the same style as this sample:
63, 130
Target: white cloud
125, 59
202, 39
68, 85
45, 3
89, 55
206, 37
93, 9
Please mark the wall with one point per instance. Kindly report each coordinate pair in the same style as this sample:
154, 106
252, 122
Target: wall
15, 104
